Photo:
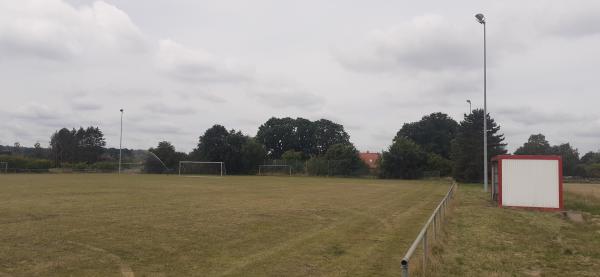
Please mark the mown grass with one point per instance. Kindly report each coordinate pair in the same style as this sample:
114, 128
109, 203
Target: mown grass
151, 225
484, 240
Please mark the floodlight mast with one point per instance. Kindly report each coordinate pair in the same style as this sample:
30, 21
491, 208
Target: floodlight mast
120, 141
481, 19
470, 110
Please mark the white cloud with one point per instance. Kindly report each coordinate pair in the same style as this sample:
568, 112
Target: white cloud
52, 29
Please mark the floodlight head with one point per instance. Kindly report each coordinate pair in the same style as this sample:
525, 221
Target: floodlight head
480, 18
468, 101
121, 110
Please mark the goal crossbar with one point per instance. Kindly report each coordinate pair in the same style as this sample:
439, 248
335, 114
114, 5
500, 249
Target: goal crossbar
260, 167
200, 162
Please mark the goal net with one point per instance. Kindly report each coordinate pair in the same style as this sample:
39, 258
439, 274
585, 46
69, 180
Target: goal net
273, 169
3, 167
201, 168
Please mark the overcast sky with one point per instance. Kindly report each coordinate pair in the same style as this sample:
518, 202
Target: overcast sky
178, 67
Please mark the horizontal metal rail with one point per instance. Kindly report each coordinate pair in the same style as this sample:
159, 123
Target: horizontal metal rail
435, 221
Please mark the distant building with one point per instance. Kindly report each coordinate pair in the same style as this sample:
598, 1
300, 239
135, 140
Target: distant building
370, 159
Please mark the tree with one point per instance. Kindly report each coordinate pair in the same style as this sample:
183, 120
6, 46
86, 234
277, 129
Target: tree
38, 152
278, 136
467, 147
311, 138
591, 157
212, 145
73, 146
253, 154
63, 146
434, 133
240, 153
165, 151
344, 160
90, 145
570, 158
535, 145
404, 159
436, 162
328, 133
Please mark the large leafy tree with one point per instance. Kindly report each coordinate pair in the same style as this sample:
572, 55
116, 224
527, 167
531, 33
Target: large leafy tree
278, 136
212, 145
311, 138
467, 147
434, 133
240, 153
328, 133
404, 159
535, 145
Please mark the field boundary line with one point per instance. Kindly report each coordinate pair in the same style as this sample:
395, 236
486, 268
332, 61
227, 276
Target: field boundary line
125, 269
436, 220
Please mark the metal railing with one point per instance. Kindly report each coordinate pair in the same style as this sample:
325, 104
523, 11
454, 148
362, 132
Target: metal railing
435, 221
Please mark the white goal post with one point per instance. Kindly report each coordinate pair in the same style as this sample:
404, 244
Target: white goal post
262, 167
220, 166
3, 167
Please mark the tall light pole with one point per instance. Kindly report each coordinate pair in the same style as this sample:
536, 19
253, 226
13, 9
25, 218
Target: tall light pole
481, 19
120, 141
470, 110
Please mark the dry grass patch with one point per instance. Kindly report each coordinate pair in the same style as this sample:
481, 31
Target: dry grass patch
151, 225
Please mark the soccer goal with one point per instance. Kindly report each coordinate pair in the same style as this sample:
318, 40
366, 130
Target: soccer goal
201, 168
3, 167
274, 169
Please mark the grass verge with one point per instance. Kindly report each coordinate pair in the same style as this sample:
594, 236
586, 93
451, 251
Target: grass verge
481, 239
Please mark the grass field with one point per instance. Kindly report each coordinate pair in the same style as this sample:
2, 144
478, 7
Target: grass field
152, 225
484, 240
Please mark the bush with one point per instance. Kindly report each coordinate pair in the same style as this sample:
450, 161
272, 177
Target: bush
18, 162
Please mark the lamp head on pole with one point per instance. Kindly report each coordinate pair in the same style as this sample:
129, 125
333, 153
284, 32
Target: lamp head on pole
469, 101
480, 18
121, 110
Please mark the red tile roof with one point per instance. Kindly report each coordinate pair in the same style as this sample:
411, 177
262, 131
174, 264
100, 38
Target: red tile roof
370, 158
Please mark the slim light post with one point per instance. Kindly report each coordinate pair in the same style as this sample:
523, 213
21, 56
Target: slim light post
470, 110
120, 141
481, 19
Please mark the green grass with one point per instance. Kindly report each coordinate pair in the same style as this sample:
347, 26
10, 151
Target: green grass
484, 240
152, 225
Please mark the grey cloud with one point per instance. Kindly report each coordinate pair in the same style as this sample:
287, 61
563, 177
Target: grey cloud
198, 65
572, 19
85, 106
529, 116
286, 97
426, 43
160, 107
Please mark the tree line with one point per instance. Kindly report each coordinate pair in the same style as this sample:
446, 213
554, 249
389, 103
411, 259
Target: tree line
435, 143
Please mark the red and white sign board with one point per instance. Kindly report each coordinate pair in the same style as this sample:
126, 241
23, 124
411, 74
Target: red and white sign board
528, 181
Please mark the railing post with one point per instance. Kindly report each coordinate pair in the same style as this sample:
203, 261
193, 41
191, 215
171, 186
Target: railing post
434, 225
424, 252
